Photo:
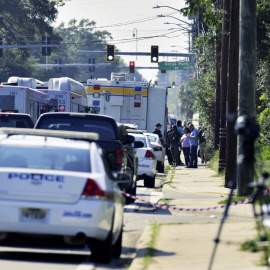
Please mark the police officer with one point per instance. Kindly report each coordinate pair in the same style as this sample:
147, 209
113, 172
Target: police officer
158, 131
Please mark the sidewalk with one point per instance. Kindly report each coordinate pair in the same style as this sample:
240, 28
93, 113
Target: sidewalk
189, 245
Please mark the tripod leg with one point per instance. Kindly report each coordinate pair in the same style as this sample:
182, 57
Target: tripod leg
217, 239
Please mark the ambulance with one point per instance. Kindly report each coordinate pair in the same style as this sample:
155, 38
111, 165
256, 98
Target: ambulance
130, 102
19, 95
66, 95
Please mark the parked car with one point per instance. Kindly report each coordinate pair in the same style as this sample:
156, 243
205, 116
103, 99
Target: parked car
109, 139
16, 120
146, 158
60, 187
159, 150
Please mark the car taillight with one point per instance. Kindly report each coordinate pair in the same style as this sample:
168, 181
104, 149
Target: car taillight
119, 156
149, 154
158, 148
92, 189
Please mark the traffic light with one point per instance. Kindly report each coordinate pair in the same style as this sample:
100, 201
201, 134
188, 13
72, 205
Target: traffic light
92, 61
154, 54
46, 51
131, 67
156, 84
110, 53
173, 84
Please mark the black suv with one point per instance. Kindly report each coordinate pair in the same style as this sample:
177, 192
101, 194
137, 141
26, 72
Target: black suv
115, 145
16, 120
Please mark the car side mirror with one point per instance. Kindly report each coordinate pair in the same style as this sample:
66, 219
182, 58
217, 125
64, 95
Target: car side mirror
122, 178
129, 139
138, 144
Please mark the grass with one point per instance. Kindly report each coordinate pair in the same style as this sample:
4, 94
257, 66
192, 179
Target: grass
171, 178
167, 168
165, 201
251, 245
234, 199
151, 251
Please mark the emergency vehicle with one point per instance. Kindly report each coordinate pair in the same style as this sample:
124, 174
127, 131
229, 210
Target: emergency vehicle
20, 95
66, 95
131, 102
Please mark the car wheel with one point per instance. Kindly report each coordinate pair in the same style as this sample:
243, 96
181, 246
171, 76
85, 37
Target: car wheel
149, 182
117, 247
128, 199
161, 168
101, 251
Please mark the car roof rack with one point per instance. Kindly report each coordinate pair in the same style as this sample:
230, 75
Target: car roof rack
88, 136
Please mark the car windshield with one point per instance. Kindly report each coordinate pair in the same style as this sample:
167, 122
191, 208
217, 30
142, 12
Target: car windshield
105, 129
46, 158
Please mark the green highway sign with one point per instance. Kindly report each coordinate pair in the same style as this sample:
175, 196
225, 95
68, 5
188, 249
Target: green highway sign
175, 65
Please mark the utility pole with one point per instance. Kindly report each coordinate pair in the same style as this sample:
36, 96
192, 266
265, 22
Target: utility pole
231, 144
218, 66
247, 79
224, 78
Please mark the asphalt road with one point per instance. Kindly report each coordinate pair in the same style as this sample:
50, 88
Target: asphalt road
136, 217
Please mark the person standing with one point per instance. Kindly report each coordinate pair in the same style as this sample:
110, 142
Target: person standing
193, 140
180, 130
202, 144
185, 144
168, 146
175, 139
158, 131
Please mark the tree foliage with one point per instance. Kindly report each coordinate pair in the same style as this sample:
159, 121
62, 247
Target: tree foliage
24, 22
79, 35
205, 58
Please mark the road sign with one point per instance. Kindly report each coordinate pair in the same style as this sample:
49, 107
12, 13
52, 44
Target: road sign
175, 65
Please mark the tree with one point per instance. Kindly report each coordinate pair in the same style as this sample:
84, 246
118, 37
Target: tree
24, 22
80, 36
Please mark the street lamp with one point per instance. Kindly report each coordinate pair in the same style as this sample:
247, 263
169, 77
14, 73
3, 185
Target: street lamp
180, 26
161, 16
157, 6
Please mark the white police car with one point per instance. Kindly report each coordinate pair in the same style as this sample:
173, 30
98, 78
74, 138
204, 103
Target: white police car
147, 160
61, 187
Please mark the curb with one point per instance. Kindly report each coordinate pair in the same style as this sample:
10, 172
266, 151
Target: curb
141, 249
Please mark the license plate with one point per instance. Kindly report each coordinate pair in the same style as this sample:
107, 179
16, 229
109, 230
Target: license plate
33, 215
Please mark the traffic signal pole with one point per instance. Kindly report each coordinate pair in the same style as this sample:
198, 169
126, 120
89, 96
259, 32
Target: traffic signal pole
138, 53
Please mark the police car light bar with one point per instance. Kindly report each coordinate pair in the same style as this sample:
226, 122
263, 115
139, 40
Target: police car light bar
89, 136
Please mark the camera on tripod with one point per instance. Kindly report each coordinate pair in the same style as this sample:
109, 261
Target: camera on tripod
247, 127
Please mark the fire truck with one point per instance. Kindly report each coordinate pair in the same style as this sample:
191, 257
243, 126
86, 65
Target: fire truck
131, 102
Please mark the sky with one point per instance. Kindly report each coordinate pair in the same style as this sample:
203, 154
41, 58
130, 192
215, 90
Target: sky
134, 26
